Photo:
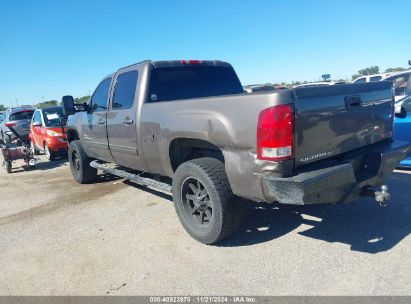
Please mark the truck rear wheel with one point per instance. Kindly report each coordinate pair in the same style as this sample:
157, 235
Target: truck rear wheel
204, 202
80, 164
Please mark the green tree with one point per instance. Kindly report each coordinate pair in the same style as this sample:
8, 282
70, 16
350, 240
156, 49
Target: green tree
2, 107
81, 100
45, 104
390, 70
375, 69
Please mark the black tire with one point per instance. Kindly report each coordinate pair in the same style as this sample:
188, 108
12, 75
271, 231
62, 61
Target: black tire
206, 224
50, 155
8, 166
80, 164
33, 148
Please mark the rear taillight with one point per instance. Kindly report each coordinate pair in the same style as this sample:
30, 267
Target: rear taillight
191, 61
275, 133
10, 124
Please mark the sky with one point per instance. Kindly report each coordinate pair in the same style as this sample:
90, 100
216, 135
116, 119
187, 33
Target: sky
53, 48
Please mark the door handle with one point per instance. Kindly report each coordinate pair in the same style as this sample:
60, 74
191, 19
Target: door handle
127, 121
101, 122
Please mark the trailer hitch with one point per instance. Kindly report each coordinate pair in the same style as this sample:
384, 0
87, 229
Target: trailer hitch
381, 197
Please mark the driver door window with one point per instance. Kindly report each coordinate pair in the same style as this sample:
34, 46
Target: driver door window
100, 97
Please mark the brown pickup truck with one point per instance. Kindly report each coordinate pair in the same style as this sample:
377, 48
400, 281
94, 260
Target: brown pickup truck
191, 121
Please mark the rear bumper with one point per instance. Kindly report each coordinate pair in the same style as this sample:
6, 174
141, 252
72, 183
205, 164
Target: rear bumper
340, 183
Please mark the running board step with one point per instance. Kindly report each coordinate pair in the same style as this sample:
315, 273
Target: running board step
143, 181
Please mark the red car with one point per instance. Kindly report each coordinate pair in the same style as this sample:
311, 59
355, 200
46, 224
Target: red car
46, 134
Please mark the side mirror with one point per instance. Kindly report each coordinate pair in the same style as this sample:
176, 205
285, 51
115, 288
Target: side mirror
402, 113
36, 124
68, 105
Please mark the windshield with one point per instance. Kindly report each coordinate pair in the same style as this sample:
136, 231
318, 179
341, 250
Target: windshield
52, 116
193, 81
27, 114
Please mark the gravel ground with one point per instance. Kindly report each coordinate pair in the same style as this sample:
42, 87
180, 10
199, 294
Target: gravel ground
113, 237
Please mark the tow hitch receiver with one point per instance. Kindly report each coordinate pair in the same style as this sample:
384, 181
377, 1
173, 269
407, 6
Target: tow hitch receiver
381, 197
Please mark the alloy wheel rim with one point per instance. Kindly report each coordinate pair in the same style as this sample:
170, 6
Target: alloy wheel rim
196, 202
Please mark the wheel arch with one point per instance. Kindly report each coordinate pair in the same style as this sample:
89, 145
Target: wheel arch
72, 134
183, 149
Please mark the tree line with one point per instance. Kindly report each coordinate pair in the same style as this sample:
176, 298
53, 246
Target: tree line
375, 69
51, 103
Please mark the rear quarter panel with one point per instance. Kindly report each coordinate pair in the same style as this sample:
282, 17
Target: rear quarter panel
229, 122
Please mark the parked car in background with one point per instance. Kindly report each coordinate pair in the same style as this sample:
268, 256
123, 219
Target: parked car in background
19, 118
318, 84
371, 78
46, 133
402, 126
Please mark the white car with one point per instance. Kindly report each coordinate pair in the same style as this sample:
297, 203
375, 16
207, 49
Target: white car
371, 78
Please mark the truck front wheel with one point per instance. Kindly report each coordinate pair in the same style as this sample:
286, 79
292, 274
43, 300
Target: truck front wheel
80, 163
204, 202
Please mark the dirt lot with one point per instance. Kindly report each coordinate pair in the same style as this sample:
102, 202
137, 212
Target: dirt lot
112, 237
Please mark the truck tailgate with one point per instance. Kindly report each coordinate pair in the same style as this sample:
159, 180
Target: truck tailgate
336, 119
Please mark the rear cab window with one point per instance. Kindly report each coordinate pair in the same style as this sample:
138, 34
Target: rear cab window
192, 81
